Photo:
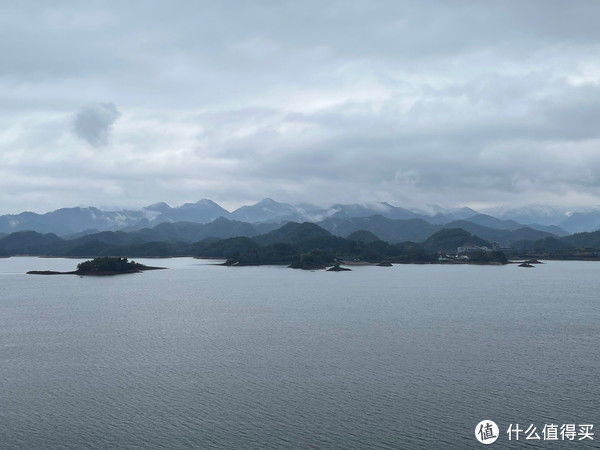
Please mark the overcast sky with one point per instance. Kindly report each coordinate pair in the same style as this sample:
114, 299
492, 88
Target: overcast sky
477, 103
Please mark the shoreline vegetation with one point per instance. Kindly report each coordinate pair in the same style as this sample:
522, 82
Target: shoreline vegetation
304, 245
104, 266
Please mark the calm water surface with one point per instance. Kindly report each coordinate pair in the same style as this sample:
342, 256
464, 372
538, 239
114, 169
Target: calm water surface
202, 356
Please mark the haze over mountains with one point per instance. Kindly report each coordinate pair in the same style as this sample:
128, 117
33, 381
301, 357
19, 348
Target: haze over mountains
269, 231
341, 219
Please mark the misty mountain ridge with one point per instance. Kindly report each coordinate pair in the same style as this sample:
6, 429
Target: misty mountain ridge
75, 221
542, 214
277, 246
587, 219
175, 239
291, 239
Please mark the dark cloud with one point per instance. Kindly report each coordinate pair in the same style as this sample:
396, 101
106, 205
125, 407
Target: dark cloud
94, 122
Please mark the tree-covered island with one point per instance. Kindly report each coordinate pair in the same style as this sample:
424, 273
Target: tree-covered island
101, 266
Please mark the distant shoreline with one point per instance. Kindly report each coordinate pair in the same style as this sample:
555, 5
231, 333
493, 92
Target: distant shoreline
353, 263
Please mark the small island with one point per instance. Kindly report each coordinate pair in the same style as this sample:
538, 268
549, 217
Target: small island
338, 268
101, 267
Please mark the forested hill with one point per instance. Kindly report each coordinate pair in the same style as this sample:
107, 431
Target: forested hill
291, 242
377, 236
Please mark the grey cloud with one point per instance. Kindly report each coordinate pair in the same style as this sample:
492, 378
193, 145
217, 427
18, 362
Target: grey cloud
403, 101
444, 146
94, 122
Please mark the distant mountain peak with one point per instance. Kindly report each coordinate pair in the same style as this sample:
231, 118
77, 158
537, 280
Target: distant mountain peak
465, 209
268, 210
200, 203
267, 201
159, 206
207, 202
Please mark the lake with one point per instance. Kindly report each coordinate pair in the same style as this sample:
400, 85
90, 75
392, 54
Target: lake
204, 356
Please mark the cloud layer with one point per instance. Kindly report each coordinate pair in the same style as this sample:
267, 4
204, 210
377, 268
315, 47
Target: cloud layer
461, 102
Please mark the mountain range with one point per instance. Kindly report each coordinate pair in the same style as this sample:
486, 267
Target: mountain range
77, 221
369, 238
278, 245
171, 238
